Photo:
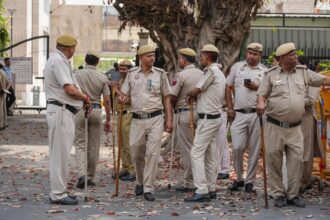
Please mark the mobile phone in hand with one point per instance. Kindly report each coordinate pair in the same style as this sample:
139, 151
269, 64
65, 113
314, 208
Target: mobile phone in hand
247, 81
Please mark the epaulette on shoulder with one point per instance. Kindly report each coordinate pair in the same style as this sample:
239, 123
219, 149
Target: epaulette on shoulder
133, 69
263, 66
301, 67
159, 69
271, 69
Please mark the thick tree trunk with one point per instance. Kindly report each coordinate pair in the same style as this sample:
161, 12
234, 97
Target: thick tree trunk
174, 24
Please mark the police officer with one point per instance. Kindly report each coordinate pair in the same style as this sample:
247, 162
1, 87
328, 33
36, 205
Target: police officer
183, 83
210, 91
283, 87
127, 173
146, 87
245, 77
94, 84
64, 99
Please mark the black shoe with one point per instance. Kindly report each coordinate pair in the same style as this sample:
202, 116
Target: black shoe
128, 177
81, 182
138, 190
65, 201
280, 202
297, 201
74, 197
213, 195
249, 188
121, 174
185, 189
223, 176
198, 198
235, 185
149, 196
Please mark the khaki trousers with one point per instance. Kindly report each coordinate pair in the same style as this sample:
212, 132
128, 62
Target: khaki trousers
185, 139
3, 111
308, 127
204, 155
145, 142
223, 146
290, 141
61, 132
126, 157
245, 133
93, 146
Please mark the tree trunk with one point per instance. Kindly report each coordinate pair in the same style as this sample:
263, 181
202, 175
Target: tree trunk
174, 24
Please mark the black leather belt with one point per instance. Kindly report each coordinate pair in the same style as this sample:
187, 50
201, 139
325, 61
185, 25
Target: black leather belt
246, 111
124, 112
96, 105
208, 116
177, 110
283, 124
147, 115
67, 106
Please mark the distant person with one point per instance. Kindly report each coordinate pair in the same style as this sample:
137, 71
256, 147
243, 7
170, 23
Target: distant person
10, 97
113, 74
3, 85
80, 67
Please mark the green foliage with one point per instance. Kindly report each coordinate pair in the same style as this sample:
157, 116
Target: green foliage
4, 34
325, 66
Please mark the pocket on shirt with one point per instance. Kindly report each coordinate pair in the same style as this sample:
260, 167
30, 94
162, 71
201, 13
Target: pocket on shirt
301, 89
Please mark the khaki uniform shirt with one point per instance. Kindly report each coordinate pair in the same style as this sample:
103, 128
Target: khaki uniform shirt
184, 82
285, 92
245, 98
145, 89
93, 83
116, 104
4, 83
212, 85
58, 72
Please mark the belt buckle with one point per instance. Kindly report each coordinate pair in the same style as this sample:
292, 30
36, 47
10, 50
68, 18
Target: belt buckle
144, 116
285, 124
248, 111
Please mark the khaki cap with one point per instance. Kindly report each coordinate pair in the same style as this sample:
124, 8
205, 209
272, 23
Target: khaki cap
285, 49
145, 49
125, 63
210, 48
67, 40
93, 53
187, 51
255, 46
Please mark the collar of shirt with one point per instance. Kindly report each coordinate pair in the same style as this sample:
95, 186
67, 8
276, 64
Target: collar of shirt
90, 67
62, 55
152, 70
256, 67
189, 66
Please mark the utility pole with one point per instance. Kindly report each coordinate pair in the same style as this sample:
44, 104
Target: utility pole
11, 11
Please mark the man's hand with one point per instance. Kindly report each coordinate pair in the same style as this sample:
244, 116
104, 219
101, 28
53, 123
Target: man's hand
189, 99
231, 114
123, 99
260, 108
251, 86
169, 126
107, 127
87, 102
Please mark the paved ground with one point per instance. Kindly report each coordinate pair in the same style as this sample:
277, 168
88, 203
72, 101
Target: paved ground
24, 186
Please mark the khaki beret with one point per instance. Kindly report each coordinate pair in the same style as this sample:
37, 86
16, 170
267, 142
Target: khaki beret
93, 53
285, 49
67, 40
255, 46
187, 51
145, 49
125, 63
210, 48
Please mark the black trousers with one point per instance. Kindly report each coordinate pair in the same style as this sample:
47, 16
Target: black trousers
10, 98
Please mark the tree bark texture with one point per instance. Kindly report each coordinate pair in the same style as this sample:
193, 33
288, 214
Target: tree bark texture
175, 24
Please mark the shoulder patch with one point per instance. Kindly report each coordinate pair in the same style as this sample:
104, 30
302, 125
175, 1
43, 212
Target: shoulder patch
133, 69
159, 69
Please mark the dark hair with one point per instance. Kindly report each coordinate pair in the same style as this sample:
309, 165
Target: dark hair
6, 59
80, 67
1, 66
189, 59
303, 60
91, 60
115, 65
213, 56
